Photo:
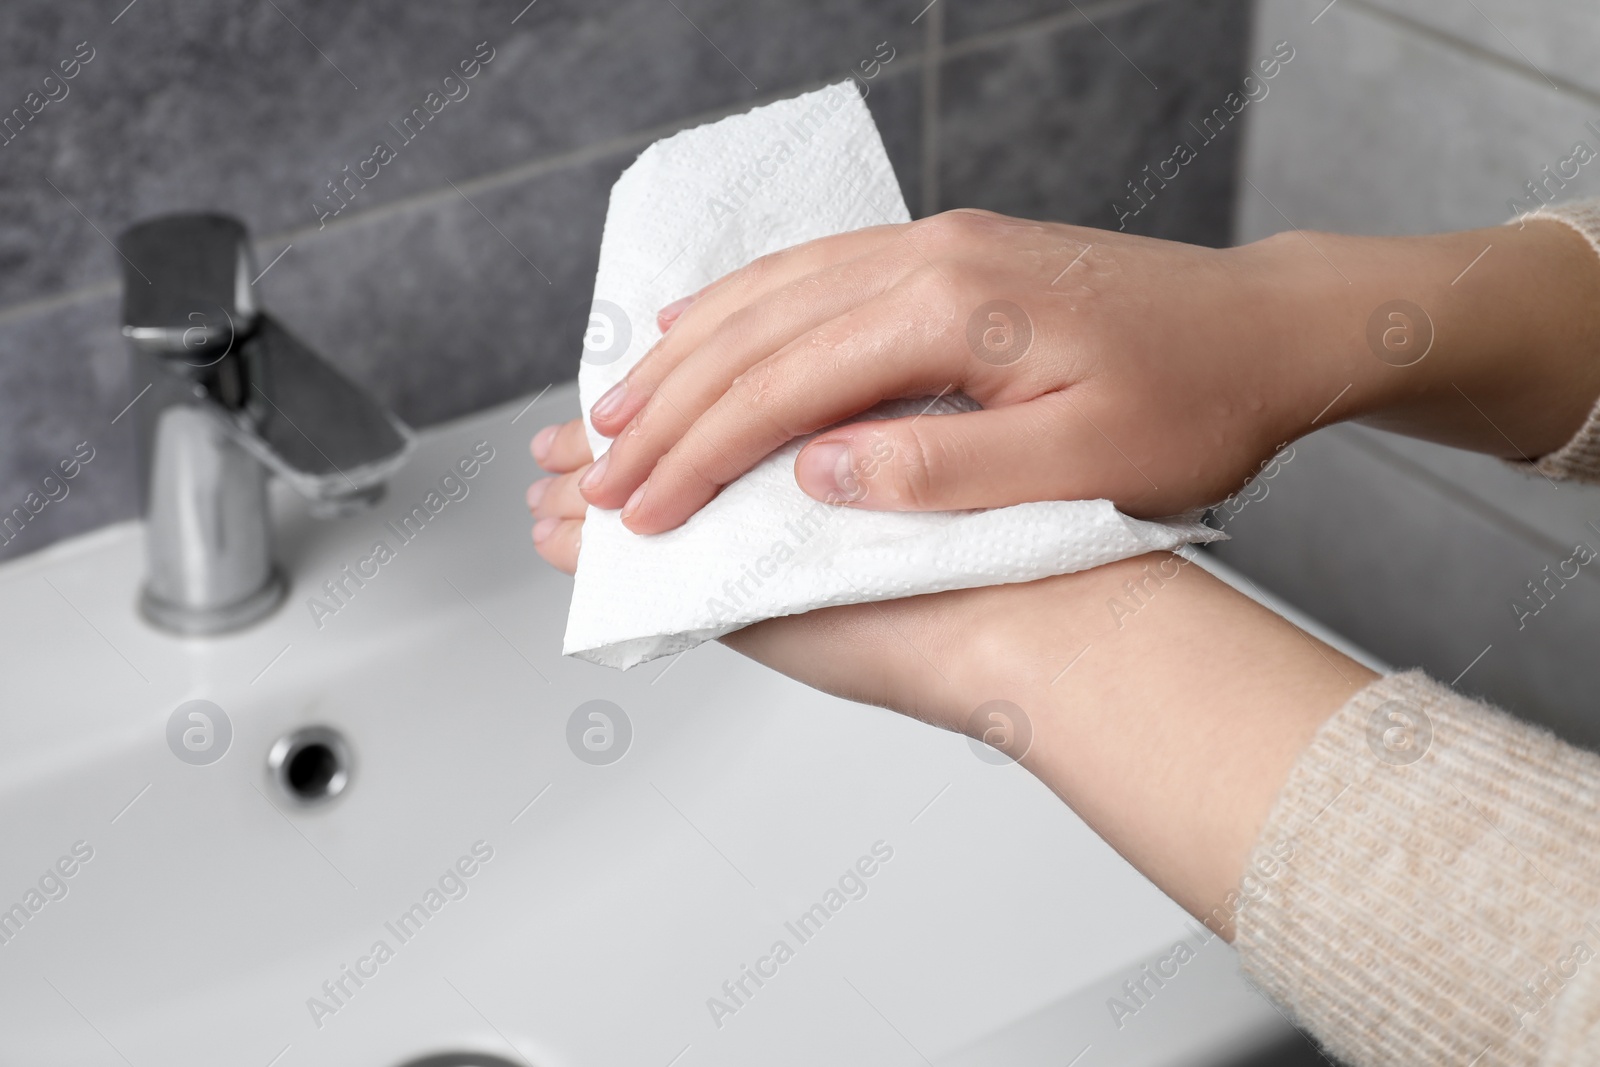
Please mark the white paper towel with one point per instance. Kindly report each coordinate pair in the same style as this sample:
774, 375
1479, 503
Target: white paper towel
692, 208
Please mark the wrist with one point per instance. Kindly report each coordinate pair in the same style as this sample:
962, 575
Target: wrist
1520, 340
1300, 307
1483, 339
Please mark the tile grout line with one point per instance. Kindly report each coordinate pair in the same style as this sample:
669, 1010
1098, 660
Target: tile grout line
1061, 20
932, 72
1491, 513
44, 305
1470, 49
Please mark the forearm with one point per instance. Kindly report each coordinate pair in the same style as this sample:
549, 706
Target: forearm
1176, 728
1171, 732
1507, 347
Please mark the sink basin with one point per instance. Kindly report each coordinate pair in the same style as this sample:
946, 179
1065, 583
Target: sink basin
538, 899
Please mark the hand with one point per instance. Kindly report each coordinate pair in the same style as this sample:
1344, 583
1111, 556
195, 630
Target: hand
1155, 374
857, 651
1157, 725
1119, 367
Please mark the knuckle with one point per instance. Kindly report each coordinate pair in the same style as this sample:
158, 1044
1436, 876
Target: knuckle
976, 220
564, 498
941, 228
820, 341
752, 418
754, 385
572, 438
644, 416
643, 424
929, 297
755, 417
968, 286
915, 467
656, 363
692, 464
754, 273
736, 327
929, 288
951, 227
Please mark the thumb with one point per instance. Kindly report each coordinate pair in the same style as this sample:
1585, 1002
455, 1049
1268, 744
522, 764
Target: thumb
1039, 450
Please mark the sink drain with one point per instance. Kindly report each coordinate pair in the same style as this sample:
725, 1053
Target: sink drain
461, 1059
311, 765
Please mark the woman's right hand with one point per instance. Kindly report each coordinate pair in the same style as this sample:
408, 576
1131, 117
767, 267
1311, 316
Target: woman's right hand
1107, 365
1155, 374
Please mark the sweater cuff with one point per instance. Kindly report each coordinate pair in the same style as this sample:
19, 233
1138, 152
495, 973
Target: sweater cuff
1427, 886
1579, 458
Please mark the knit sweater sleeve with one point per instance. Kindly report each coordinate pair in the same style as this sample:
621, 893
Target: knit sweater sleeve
1579, 458
1427, 886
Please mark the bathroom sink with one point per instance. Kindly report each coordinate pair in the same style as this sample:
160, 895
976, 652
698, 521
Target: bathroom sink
584, 909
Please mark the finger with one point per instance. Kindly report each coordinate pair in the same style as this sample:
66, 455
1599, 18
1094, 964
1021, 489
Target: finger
1044, 449
891, 348
557, 497
558, 541
673, 311
562, 447
741, 342
698, 320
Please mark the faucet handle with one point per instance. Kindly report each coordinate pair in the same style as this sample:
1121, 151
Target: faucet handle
186, 284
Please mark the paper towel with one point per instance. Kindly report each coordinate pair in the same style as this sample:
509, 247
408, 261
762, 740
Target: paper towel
692, 208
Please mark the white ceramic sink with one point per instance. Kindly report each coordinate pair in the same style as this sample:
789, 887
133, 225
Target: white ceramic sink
614, 905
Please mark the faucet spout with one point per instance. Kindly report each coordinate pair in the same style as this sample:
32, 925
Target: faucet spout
234, 397
314, 428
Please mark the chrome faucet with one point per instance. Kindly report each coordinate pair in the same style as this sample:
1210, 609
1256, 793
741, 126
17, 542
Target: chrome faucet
233, 396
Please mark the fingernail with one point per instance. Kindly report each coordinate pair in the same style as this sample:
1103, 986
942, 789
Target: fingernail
595, 473
635, 500
536, 492
542, 442
826, 471
609, 403
544, 528
671, 313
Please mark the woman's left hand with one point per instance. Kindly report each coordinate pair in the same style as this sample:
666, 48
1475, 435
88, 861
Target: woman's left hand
554, 501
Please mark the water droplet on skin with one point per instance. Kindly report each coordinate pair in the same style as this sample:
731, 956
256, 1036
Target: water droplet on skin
754, 388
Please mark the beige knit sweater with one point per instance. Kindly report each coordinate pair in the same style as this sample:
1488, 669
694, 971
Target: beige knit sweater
1441, 900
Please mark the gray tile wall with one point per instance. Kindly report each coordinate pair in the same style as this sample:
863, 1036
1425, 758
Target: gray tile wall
1412, 116
445, 299
1040, 126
